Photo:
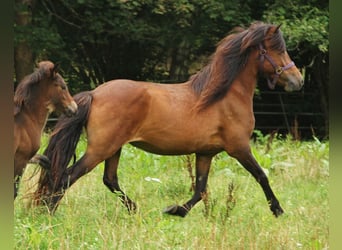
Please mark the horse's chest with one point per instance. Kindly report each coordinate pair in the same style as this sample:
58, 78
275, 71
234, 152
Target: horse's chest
28, 142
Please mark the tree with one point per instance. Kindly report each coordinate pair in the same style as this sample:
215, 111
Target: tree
23, 57
137, 39
35, 37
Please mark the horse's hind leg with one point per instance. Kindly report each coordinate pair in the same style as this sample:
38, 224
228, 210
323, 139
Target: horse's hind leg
83, 166
251, 165
110, 179
16, 185
202, 171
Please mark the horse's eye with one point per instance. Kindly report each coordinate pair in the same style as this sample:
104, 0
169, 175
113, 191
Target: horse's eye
63, 87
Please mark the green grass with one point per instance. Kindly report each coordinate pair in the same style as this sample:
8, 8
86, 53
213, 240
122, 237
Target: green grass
234, 216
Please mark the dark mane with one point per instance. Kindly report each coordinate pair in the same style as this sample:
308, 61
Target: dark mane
24, 90
213, 81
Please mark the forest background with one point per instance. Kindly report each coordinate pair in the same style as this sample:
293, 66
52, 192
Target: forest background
168, 41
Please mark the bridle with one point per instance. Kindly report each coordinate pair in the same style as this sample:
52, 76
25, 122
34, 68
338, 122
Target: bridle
277, 69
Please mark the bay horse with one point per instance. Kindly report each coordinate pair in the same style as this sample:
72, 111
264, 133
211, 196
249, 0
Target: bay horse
210, 113
36, 96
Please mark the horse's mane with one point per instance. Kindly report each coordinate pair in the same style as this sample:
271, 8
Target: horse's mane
24, 91
213, 81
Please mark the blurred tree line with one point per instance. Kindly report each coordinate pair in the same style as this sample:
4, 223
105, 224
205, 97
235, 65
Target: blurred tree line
159, 40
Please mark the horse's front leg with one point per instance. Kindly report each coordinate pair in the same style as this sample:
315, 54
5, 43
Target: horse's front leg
251, 165
16, 185
19, 166
202, 170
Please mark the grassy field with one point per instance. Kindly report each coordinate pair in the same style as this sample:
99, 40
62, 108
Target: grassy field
235, 214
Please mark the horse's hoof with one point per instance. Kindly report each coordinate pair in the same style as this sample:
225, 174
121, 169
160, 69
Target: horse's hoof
278, 211
132, 208
170, 209
176, 210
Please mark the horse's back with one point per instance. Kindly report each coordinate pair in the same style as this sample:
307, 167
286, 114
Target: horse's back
119, 97
143, 102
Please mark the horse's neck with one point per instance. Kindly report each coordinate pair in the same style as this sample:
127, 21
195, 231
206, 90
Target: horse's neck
36, 112
245, 82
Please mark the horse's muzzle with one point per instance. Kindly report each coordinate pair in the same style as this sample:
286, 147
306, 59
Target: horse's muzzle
71, 109
294, 84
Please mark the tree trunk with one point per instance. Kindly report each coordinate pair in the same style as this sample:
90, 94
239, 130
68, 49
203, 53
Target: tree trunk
321, 76
23, 56
180, 62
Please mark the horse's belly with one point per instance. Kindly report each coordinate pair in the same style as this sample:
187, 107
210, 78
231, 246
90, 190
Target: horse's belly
155, 149
177, 148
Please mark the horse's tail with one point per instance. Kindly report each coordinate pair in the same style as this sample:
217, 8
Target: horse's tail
62, 145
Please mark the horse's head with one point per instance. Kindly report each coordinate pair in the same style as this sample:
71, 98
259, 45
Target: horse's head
276, 63
60, 99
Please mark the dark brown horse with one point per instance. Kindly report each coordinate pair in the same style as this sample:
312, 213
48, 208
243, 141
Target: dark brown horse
210, 113
37, 95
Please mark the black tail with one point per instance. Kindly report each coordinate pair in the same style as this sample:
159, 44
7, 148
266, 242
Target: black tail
62, 144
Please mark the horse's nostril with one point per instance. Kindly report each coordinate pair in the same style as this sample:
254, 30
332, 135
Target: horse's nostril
73, 108
299, 84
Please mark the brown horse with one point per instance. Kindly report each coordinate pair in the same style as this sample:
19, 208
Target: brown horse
37, 95
210, 113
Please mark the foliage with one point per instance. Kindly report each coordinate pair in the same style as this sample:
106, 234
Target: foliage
305, 27
96, 41
235, 215
40, 34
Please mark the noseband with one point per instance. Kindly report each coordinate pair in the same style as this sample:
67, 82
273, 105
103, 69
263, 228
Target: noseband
277, 69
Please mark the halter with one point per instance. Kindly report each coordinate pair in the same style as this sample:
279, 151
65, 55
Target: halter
277, 69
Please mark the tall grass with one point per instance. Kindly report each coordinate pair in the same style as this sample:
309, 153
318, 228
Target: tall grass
234, 214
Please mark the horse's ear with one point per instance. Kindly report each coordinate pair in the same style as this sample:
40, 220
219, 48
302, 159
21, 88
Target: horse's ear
54, 70
277, 28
